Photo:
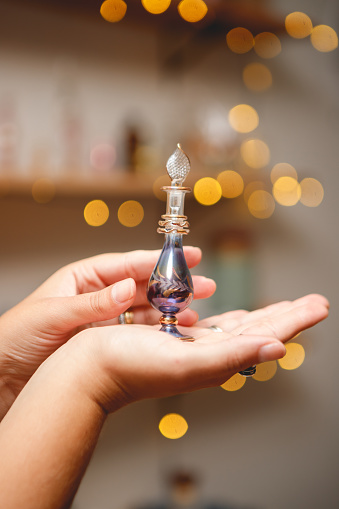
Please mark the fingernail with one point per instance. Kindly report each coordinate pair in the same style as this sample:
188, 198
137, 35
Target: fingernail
123, 291
271, 352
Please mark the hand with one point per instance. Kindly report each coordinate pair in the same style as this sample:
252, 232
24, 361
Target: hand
133, 362
83, 294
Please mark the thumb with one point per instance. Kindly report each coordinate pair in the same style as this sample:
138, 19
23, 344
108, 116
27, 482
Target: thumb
95, 306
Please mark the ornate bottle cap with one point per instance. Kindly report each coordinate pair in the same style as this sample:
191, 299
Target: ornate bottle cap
178, 166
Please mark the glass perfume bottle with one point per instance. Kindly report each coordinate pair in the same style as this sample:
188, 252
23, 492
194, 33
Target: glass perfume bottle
170, 288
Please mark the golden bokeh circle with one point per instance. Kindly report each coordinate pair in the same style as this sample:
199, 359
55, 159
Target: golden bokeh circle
240, 40
295, 356
267, 45
173, 426
243, 118
43, 190
158, 184
257, 77
232, 183
130, 213
156, 6
207, 191
312, 192
265, 371
96, 213
287, 191
298, 25
113, 10
192, 10
255, 153
234, 383
261, 204
283, 170
324, 38
254, 185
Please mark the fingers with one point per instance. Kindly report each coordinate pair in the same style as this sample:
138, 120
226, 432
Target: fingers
71, 312
103, 270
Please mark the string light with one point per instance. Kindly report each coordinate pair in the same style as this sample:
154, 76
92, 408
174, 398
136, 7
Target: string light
113, 10
255, 153
96, 213
232, 184
257, 77
261, 204
267, 45
312, 192
283, 170
240, 40
173, 426
298, 25
324, 38
192, 10
243, 118
234, 383
265, 371
207, 191
130, 213
156, 6
295, 356
287, 191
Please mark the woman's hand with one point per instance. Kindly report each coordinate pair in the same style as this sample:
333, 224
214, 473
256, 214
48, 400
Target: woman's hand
84, 294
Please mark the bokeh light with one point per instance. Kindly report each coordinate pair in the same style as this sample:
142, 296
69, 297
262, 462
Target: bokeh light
156, 6
267, 45
207, 191
103, 156
324, 38
254, 185
173, 426
158, 184
255, 153
232, 183
192, 10
286, 191
283, 170
43, 190
234, 383
295, 356
113, 10
96, 213
261, 204
312, 192
265, 371
257, 77
130, 213
298, 25
240, 40
243, 118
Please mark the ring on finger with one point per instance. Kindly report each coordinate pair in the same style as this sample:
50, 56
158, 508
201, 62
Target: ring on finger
126, 318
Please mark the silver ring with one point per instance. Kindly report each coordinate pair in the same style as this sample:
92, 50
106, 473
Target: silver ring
215, 328
126, 318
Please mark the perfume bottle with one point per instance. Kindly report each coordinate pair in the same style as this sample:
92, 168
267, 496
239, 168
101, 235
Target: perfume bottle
170, 288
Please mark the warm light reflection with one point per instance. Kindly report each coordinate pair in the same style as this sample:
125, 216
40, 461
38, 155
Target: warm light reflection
130, 213
240, 40
96, 213
232, 184
267, 45
255, 153
158, 184
156, 6
324, 38
283, 170
261, 204
257, 77
207, 191
234, 383
312, 192
295, 356
173, 426
102, 156
243, 118
298, 25
113, 10
286, 191
192, 10
265, 371
43, 190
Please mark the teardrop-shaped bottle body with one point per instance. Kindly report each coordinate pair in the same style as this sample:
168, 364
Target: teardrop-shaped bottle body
170, 288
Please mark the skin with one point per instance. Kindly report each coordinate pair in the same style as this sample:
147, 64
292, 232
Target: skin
48, 435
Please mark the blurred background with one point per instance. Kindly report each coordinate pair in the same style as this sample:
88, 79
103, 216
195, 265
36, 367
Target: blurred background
94, 98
